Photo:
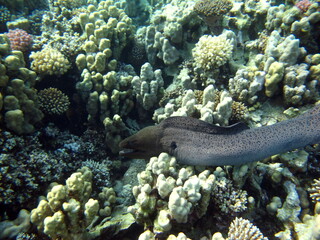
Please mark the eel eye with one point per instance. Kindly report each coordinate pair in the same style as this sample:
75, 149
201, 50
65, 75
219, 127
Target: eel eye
173, 145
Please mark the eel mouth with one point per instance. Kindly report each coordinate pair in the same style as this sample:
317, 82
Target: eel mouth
132, 153
125, 151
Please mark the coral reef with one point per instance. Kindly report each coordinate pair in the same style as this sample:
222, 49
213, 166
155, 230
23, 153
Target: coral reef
246, 85
170, 33
168, 194
240, 229
124, 63
30, 163
303, 5
107, 30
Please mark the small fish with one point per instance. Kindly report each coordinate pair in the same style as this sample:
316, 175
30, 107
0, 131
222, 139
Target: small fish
195, 142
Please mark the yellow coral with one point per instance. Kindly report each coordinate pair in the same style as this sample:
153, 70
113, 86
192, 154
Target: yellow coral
49, 61
212, 51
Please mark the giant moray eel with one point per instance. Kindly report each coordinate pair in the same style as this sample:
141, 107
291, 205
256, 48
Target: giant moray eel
195, 142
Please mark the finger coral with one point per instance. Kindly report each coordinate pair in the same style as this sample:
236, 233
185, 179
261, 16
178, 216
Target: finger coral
49, 61
212, 51
52, 101
68, 209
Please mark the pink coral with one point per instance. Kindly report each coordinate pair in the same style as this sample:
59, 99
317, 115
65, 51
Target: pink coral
19, 39
303, 5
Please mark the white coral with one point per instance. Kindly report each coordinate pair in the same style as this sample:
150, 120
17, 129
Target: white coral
212, 51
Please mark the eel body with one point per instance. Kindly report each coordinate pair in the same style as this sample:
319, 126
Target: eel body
195, 142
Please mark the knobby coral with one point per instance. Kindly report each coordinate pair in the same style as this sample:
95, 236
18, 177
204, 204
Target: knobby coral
19, 39
49, 61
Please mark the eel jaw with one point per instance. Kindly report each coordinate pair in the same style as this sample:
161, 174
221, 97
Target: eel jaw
123, 152
133, 153
131, 150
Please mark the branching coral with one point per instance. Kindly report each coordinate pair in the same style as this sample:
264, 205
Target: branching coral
212, 52
227, 198
52, 101
242, 229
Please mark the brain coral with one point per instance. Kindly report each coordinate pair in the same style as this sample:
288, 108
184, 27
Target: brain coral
19, 39
209, 8
49, 61
52, 101
212, 51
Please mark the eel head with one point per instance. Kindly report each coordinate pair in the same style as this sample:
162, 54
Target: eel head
142, 145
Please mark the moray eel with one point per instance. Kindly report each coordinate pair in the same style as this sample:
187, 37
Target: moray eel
195, 142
